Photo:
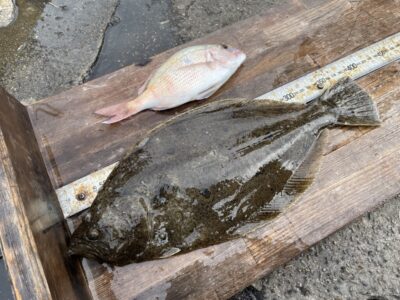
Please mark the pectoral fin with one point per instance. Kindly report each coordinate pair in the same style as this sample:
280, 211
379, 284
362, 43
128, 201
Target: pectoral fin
145, 84
302, 177
208, 92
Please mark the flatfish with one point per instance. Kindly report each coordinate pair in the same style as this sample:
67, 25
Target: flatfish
199, 178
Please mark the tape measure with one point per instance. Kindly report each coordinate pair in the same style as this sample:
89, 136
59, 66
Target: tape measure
354, 66
80, 194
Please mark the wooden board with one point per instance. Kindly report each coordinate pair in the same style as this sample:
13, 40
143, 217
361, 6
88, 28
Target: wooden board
359, 171
32, 232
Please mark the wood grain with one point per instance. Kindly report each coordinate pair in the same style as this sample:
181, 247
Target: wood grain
287, 42
16, 237
32, 232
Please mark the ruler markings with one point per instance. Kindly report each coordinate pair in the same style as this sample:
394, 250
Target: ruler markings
355, 65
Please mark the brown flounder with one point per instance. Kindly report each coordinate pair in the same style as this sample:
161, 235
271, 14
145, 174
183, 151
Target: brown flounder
199, 178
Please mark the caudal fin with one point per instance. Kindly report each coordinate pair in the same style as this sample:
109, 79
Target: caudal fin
119, 112
354, 106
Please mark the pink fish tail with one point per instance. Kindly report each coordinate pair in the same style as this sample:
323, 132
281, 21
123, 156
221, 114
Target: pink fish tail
119, 112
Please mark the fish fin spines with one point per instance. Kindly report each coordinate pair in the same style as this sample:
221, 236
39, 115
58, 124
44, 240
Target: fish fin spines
304, 175
353, 105
301, 178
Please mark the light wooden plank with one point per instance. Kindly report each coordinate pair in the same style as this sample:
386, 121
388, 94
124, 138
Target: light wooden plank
19, 248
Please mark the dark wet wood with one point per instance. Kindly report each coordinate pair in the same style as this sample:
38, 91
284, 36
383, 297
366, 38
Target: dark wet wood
287, 42
31, 224
359, 171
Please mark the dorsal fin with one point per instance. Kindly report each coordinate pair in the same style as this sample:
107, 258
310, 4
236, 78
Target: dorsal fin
302, 177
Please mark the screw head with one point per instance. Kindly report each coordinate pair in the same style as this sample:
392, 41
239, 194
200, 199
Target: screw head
81, 196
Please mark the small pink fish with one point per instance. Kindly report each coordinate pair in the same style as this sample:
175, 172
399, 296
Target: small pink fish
192, 73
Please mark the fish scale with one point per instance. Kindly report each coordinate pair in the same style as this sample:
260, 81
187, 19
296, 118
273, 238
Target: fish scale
301, 90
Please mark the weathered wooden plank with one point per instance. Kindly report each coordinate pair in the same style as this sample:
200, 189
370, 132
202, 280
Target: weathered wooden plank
31, 224
20, 253
358, 172
286, 43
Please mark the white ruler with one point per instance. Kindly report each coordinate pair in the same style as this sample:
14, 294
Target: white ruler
80, 194
354, 66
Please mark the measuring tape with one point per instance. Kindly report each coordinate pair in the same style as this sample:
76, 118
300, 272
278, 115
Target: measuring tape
80, 194
354, 66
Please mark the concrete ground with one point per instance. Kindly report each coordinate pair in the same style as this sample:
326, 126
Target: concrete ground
53, 46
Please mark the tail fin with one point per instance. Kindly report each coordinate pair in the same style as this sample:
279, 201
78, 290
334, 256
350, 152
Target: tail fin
120, 111
354, 105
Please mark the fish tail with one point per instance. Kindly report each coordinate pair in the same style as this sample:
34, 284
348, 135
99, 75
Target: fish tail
119, 112
352, 104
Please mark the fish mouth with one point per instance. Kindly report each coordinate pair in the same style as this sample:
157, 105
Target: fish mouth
241, 56
237, 53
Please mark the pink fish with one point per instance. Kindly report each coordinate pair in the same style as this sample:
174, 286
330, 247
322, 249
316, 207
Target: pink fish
192, 73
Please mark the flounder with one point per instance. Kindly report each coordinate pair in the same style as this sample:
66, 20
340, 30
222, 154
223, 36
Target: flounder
199, 178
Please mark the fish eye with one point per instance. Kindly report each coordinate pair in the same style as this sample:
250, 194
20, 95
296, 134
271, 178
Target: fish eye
93, 234
163, 235
224, 46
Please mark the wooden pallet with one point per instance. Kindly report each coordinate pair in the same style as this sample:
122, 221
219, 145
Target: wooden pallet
58, 140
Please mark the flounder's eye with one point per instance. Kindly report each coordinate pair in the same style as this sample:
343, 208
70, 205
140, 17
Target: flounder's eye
93, 234
224, 46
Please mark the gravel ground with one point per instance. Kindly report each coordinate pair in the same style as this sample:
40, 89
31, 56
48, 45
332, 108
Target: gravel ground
360, 261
